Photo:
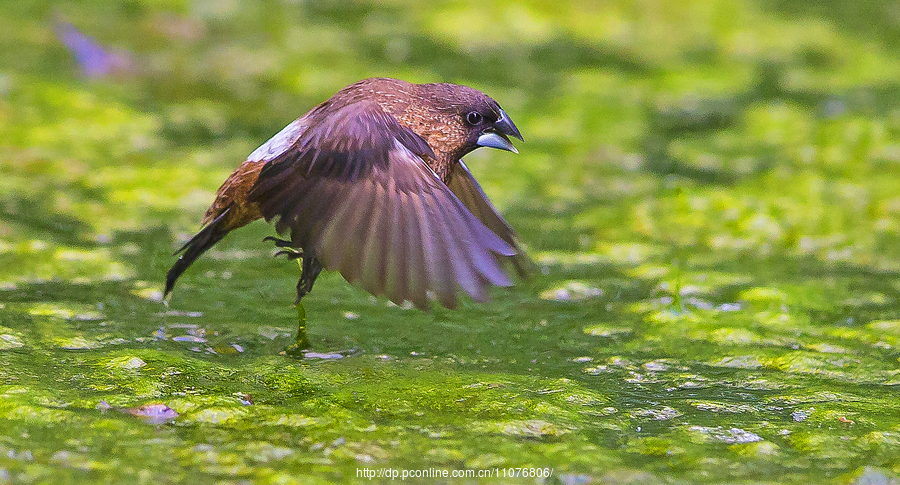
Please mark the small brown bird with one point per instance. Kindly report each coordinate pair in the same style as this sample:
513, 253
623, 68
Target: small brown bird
371, 184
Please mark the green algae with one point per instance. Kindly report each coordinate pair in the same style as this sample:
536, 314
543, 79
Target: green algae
708, 192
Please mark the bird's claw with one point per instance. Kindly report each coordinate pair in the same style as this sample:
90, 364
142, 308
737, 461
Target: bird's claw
291, 254
288, 250
279, 243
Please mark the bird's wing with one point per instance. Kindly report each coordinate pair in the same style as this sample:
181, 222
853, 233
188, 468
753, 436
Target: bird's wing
355, 191
468, 190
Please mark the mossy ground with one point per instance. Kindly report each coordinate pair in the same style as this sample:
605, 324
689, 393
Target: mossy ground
709, 190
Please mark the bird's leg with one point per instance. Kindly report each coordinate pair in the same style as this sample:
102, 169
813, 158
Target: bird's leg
302, 341
309, 271
309, 267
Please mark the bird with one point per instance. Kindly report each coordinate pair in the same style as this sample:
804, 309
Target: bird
371, 184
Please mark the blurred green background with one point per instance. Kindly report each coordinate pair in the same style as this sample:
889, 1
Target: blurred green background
709, 189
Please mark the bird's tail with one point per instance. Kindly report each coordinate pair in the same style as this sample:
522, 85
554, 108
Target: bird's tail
203, 240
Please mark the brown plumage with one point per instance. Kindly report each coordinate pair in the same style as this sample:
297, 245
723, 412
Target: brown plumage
371, 183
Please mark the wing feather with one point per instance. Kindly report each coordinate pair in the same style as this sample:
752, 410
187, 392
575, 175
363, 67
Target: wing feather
353, 229
397, 250
456, 239
470, 193
416, 273
374, 254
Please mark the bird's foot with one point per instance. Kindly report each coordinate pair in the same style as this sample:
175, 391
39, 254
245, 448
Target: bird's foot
279, 243
309, 268
291, 253
310, 271
288, 250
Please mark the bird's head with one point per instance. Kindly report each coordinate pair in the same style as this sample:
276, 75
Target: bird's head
471, 119
489, 126
453, 119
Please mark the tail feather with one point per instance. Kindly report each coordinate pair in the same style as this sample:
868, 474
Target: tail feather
203, 240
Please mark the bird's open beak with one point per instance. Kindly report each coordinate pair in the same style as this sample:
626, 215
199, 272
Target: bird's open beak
497, 135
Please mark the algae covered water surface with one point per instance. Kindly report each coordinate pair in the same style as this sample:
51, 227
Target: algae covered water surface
708, 190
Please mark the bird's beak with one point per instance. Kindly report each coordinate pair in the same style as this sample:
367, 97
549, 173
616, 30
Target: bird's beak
497, 135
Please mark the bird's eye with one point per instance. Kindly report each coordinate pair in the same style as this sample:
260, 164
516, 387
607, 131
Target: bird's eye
474, 118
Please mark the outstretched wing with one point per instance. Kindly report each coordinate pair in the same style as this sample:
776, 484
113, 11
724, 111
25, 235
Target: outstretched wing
470, 193
354, 189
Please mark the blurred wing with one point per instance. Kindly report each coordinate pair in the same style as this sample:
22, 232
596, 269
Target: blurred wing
355, 191
464, 185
